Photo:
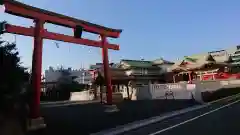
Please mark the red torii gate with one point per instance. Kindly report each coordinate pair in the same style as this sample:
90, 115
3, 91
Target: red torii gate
40, 17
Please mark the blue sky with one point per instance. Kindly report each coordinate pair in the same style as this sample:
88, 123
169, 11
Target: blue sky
151, 29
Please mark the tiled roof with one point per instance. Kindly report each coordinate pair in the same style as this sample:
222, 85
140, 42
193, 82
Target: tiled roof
161, 61
176, 66
138, 63
189, 59
193, 62
116, 73
221, 57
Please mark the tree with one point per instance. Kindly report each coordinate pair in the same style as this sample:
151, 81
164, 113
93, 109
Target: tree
13, 76
99, 81
67, 82
65, 85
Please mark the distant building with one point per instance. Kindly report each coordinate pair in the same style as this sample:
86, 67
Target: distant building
145, 72
234, 52
231, 55
82, 76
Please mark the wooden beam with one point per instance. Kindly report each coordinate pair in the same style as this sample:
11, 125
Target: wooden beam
55, 36
19, 9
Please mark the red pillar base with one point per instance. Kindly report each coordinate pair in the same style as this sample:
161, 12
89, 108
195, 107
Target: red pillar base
36, 124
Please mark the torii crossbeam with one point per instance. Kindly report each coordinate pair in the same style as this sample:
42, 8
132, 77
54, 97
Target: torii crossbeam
40, 16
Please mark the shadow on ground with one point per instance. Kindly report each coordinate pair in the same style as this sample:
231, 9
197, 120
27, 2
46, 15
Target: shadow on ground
90, 118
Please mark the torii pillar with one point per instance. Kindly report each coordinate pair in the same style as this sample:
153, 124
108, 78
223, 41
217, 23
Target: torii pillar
41, 17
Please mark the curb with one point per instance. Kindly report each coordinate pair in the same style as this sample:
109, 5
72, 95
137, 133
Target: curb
137, 124
65, 103
56, 102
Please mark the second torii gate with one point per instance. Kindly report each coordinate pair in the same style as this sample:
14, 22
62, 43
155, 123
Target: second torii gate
41, 17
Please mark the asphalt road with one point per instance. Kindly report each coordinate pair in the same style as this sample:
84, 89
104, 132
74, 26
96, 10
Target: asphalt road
222, 118
75, 119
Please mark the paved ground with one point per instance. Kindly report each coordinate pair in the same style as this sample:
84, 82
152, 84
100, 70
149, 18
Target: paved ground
225, 121
9, 126
90, 118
